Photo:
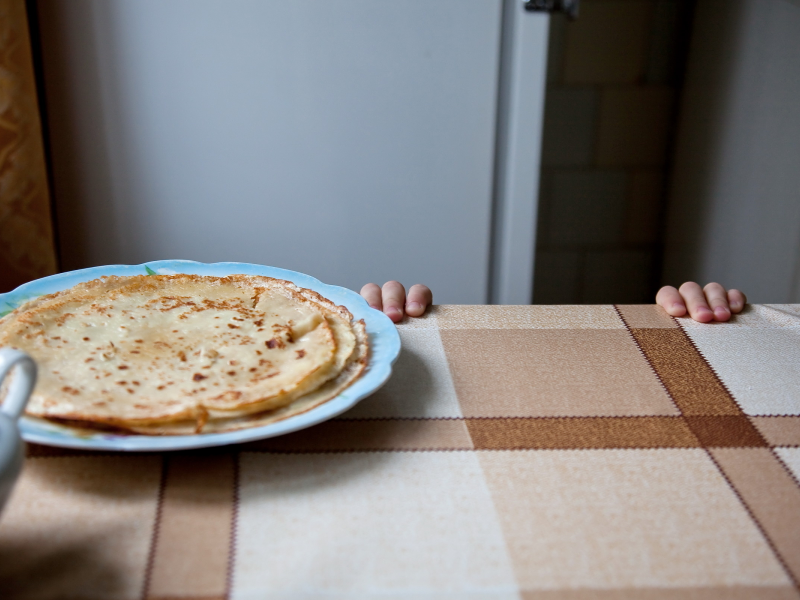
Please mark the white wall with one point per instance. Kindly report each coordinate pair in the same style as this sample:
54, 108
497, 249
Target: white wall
734, 212
349, 139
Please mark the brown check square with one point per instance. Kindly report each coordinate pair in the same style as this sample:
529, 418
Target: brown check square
550, 372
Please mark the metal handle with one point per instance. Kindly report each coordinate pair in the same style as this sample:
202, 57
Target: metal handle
569, 7
21, 386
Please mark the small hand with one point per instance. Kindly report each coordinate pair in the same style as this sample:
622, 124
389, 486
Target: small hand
711, 303
391, 299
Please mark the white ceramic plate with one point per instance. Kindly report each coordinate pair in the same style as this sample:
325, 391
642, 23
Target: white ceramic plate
383, 339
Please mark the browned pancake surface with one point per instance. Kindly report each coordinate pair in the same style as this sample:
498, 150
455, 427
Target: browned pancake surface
148, 350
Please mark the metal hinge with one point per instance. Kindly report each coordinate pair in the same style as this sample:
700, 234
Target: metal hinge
569, 7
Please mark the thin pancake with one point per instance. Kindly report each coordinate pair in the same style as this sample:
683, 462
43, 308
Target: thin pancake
353, 369
159, 349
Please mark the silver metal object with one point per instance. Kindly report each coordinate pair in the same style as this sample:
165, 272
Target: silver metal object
569, 7
13, 405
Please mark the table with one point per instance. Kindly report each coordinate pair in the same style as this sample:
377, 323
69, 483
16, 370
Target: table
534, 452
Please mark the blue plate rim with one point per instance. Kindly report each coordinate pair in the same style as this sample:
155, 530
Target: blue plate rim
384, 350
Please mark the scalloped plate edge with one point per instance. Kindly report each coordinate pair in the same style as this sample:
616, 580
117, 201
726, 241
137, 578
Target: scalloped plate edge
384, 350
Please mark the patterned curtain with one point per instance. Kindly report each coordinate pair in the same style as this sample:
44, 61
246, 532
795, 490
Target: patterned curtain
27, 248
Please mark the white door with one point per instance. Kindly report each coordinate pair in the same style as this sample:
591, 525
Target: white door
353, 140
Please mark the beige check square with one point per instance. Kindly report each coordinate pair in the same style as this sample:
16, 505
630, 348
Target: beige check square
368, 525
79, 527
621, 519
420, 385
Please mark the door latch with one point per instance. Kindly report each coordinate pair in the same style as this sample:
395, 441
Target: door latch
569, 7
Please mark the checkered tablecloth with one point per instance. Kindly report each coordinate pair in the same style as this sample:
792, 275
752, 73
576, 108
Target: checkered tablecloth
536, 452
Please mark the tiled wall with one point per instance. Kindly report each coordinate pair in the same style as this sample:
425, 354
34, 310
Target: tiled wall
609, 121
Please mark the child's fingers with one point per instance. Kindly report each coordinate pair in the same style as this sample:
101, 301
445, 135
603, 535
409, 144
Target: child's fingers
394, 299
671, 301
419, 297
696, 302
717, 299
736, 300
372, 294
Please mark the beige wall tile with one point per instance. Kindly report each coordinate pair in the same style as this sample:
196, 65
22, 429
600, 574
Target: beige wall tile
625, 519
79, 527
538, 373
634, 126
587, 207
609, 42
420, 385
461, 316
557, 277
368, 525
645, 203
569, 126
617, 276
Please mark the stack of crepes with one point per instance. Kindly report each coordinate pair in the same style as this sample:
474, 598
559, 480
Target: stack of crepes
185, 354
